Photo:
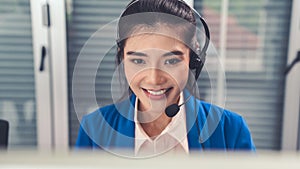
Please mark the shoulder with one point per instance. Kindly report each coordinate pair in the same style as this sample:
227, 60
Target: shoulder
109, 117
231, 127
226, 115
99, 113
114, 110
91, 126
226, 118
106, 127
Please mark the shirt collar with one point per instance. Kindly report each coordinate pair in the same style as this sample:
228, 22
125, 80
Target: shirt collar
176, 128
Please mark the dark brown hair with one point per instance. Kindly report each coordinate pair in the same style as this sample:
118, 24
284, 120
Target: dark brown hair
155, 10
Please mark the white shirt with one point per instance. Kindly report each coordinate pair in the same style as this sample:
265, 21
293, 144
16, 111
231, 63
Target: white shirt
172, 139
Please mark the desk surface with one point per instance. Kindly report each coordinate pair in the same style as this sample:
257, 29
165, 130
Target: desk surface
90, 160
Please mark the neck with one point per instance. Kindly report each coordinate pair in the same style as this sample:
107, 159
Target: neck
152, 122
154, 128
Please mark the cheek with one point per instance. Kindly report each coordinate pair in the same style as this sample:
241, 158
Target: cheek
180, 76
132, 75
129, 74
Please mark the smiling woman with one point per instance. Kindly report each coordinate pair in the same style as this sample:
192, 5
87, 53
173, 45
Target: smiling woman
159, 70
159, 55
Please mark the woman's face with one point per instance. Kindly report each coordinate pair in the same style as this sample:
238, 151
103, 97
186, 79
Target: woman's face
156, 68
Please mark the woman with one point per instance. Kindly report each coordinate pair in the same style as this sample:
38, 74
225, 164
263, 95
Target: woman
159, 53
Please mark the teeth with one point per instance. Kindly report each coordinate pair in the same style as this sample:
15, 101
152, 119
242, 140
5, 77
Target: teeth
159, 92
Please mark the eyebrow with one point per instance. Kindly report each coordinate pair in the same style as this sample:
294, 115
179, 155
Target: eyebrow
136, 53
175, 52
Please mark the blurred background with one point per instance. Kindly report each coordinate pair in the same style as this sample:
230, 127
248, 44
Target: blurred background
39, 44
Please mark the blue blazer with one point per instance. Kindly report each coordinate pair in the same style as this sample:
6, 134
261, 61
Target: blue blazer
112, 127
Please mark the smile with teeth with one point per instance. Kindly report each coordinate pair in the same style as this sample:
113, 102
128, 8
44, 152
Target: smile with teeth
157, 93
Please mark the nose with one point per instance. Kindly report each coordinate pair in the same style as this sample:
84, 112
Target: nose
155, 77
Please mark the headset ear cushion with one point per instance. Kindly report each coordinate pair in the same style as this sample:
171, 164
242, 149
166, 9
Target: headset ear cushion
195, 61
193, 64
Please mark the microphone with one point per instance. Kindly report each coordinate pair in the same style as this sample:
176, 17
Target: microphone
173, 109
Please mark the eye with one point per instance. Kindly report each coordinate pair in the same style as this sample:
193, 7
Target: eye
138, 61
172, 61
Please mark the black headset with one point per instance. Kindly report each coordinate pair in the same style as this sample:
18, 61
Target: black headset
197, 60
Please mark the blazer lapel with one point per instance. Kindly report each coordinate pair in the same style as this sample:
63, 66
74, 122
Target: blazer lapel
126, 125
194, 127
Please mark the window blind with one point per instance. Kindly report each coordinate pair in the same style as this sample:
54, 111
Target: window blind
256, 52
84, 19
17, 93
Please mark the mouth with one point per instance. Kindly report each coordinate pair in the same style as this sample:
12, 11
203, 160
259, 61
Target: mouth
156, 94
